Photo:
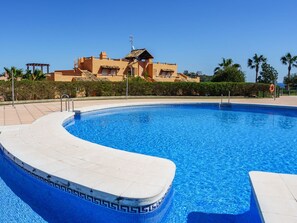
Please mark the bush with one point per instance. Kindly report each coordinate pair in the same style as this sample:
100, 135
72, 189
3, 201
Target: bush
229, 74
34, 90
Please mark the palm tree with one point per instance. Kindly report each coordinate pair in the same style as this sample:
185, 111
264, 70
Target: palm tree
37, 75
226, 63
289, 60
17, 73
255, 62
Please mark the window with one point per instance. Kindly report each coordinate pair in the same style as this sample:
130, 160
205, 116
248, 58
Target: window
105, 72
113, 72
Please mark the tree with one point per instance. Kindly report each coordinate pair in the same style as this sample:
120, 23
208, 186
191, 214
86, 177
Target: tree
227, 71
37, 75
225, 64
27, 75
289, 60
205, 78
291, 81
255, 63
192, 74
268, 74
198, 73
229, 74
17, 73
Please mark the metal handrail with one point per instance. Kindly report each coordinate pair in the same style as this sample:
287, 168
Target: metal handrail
67, 102
229, 97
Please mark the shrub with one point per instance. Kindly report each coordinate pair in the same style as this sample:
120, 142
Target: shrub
34, 90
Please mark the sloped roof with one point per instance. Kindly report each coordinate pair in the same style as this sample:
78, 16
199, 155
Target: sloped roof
139, 54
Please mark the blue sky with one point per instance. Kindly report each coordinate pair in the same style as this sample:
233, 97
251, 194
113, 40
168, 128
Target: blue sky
195, 34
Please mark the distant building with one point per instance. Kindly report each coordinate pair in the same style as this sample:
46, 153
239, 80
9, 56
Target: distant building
4, 77
138, 63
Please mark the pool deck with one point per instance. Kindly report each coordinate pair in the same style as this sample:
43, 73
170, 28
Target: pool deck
29, 112
32, 136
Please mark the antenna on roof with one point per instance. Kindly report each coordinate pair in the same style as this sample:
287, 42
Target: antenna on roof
131, 41
75, 64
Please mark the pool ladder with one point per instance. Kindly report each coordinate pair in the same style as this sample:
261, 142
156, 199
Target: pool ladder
67, 102
225, 104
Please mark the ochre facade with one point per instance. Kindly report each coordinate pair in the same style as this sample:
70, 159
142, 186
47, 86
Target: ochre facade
139, 63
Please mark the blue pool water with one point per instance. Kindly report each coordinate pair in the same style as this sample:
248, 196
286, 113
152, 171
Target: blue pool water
12, 208
213, 148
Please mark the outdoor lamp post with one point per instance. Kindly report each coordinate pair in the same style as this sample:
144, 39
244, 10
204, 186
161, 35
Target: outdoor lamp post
275, 87
127, 81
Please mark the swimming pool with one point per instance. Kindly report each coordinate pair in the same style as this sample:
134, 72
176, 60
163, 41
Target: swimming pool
213, 148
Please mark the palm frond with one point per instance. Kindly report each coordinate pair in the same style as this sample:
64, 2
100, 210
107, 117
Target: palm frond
216, 69
236, 65
250, 63
284, 60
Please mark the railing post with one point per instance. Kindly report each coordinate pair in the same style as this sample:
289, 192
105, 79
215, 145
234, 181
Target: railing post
12, 86
66, 104
229, 97
61, 103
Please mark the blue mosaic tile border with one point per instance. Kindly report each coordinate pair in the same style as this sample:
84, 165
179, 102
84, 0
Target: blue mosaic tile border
87, 197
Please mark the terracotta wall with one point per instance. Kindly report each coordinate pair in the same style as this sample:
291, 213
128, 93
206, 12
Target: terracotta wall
65, 75
157, 67
86, 64
143, 66
97, 63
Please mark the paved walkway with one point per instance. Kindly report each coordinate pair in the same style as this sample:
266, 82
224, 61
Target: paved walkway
29, 112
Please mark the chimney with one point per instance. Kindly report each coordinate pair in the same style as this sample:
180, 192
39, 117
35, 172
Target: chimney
103, 55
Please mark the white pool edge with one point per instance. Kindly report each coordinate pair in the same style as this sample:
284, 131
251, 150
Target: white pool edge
275, 195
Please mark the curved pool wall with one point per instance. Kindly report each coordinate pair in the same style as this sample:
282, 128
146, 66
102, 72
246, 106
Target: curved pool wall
54, 204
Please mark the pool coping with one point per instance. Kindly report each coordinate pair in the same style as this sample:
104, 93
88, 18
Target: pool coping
275, 195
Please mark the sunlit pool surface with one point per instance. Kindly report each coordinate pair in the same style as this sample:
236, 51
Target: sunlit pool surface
213, 148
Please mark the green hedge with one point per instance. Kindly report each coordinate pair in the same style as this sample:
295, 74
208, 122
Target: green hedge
33, 90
